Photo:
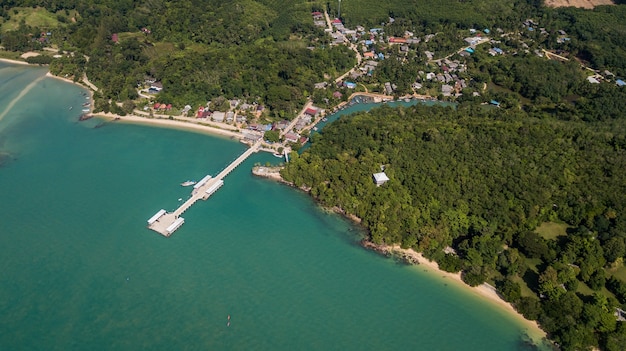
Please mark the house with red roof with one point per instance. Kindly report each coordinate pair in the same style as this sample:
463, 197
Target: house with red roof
292, 137
311, 111
200, 112
395, 40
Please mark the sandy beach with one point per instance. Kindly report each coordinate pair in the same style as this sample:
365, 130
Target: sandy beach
15, 62
484, 291
157, 122
171, 123
50, 75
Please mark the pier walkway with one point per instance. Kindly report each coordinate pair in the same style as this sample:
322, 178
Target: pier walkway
165, 223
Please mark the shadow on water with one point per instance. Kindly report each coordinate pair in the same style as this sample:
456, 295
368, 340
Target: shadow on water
5, 158
526, 343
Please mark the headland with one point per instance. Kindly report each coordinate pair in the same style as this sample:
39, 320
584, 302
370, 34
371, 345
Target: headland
410, 256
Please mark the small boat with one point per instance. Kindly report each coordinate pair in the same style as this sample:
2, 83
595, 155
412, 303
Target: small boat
278, 155
180, 199
188, 183
71, 107
324, 119
86, 110
86, 104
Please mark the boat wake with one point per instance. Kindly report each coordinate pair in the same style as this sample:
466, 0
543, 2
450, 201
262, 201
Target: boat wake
19, 96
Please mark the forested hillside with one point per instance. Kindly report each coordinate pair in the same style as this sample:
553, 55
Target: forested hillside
480, 181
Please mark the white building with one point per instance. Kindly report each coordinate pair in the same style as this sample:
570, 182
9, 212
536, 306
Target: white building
380, 178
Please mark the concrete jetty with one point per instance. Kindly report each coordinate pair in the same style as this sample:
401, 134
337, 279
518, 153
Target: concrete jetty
166, 223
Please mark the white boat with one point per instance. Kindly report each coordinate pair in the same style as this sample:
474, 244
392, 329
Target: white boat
188, 183
86, 110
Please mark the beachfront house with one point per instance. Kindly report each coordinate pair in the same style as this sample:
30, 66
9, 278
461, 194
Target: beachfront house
218, 116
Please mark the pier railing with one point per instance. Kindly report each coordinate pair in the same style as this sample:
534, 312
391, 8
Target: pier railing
164, 223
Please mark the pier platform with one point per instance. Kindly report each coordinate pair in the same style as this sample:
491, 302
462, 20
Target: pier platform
166, 223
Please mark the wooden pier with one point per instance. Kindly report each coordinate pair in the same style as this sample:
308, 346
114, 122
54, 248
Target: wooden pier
166, 223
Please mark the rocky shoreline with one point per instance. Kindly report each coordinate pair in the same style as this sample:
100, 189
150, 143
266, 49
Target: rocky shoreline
389, 251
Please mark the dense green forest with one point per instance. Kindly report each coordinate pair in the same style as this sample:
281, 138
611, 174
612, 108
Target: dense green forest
480, 181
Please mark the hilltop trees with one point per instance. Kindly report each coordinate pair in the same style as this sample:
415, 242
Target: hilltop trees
481, 181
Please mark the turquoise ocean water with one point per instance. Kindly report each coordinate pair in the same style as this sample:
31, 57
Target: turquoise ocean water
80, 271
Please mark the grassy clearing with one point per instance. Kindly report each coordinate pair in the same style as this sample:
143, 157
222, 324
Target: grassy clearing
551, 230
585, 290
36, 17
618, 272
128, 35
159, 49
525, 290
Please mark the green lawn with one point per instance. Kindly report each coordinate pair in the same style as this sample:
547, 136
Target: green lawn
128, 35
161, 49
525, 290
585, 290
551, 230
36, 17
619, 272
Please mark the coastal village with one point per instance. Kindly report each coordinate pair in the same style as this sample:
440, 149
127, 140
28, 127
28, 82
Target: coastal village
442, 76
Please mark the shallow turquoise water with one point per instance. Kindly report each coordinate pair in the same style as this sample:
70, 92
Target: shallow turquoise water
81, 271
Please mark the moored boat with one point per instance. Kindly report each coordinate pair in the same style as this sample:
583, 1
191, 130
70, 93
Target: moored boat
188, 183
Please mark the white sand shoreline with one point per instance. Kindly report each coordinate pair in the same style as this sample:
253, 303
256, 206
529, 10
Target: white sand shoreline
156, 121
16, 62
172, 124
484, 291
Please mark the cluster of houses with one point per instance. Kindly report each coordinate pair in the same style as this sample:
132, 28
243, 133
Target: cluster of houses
236, 112
303, 121
605, 77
